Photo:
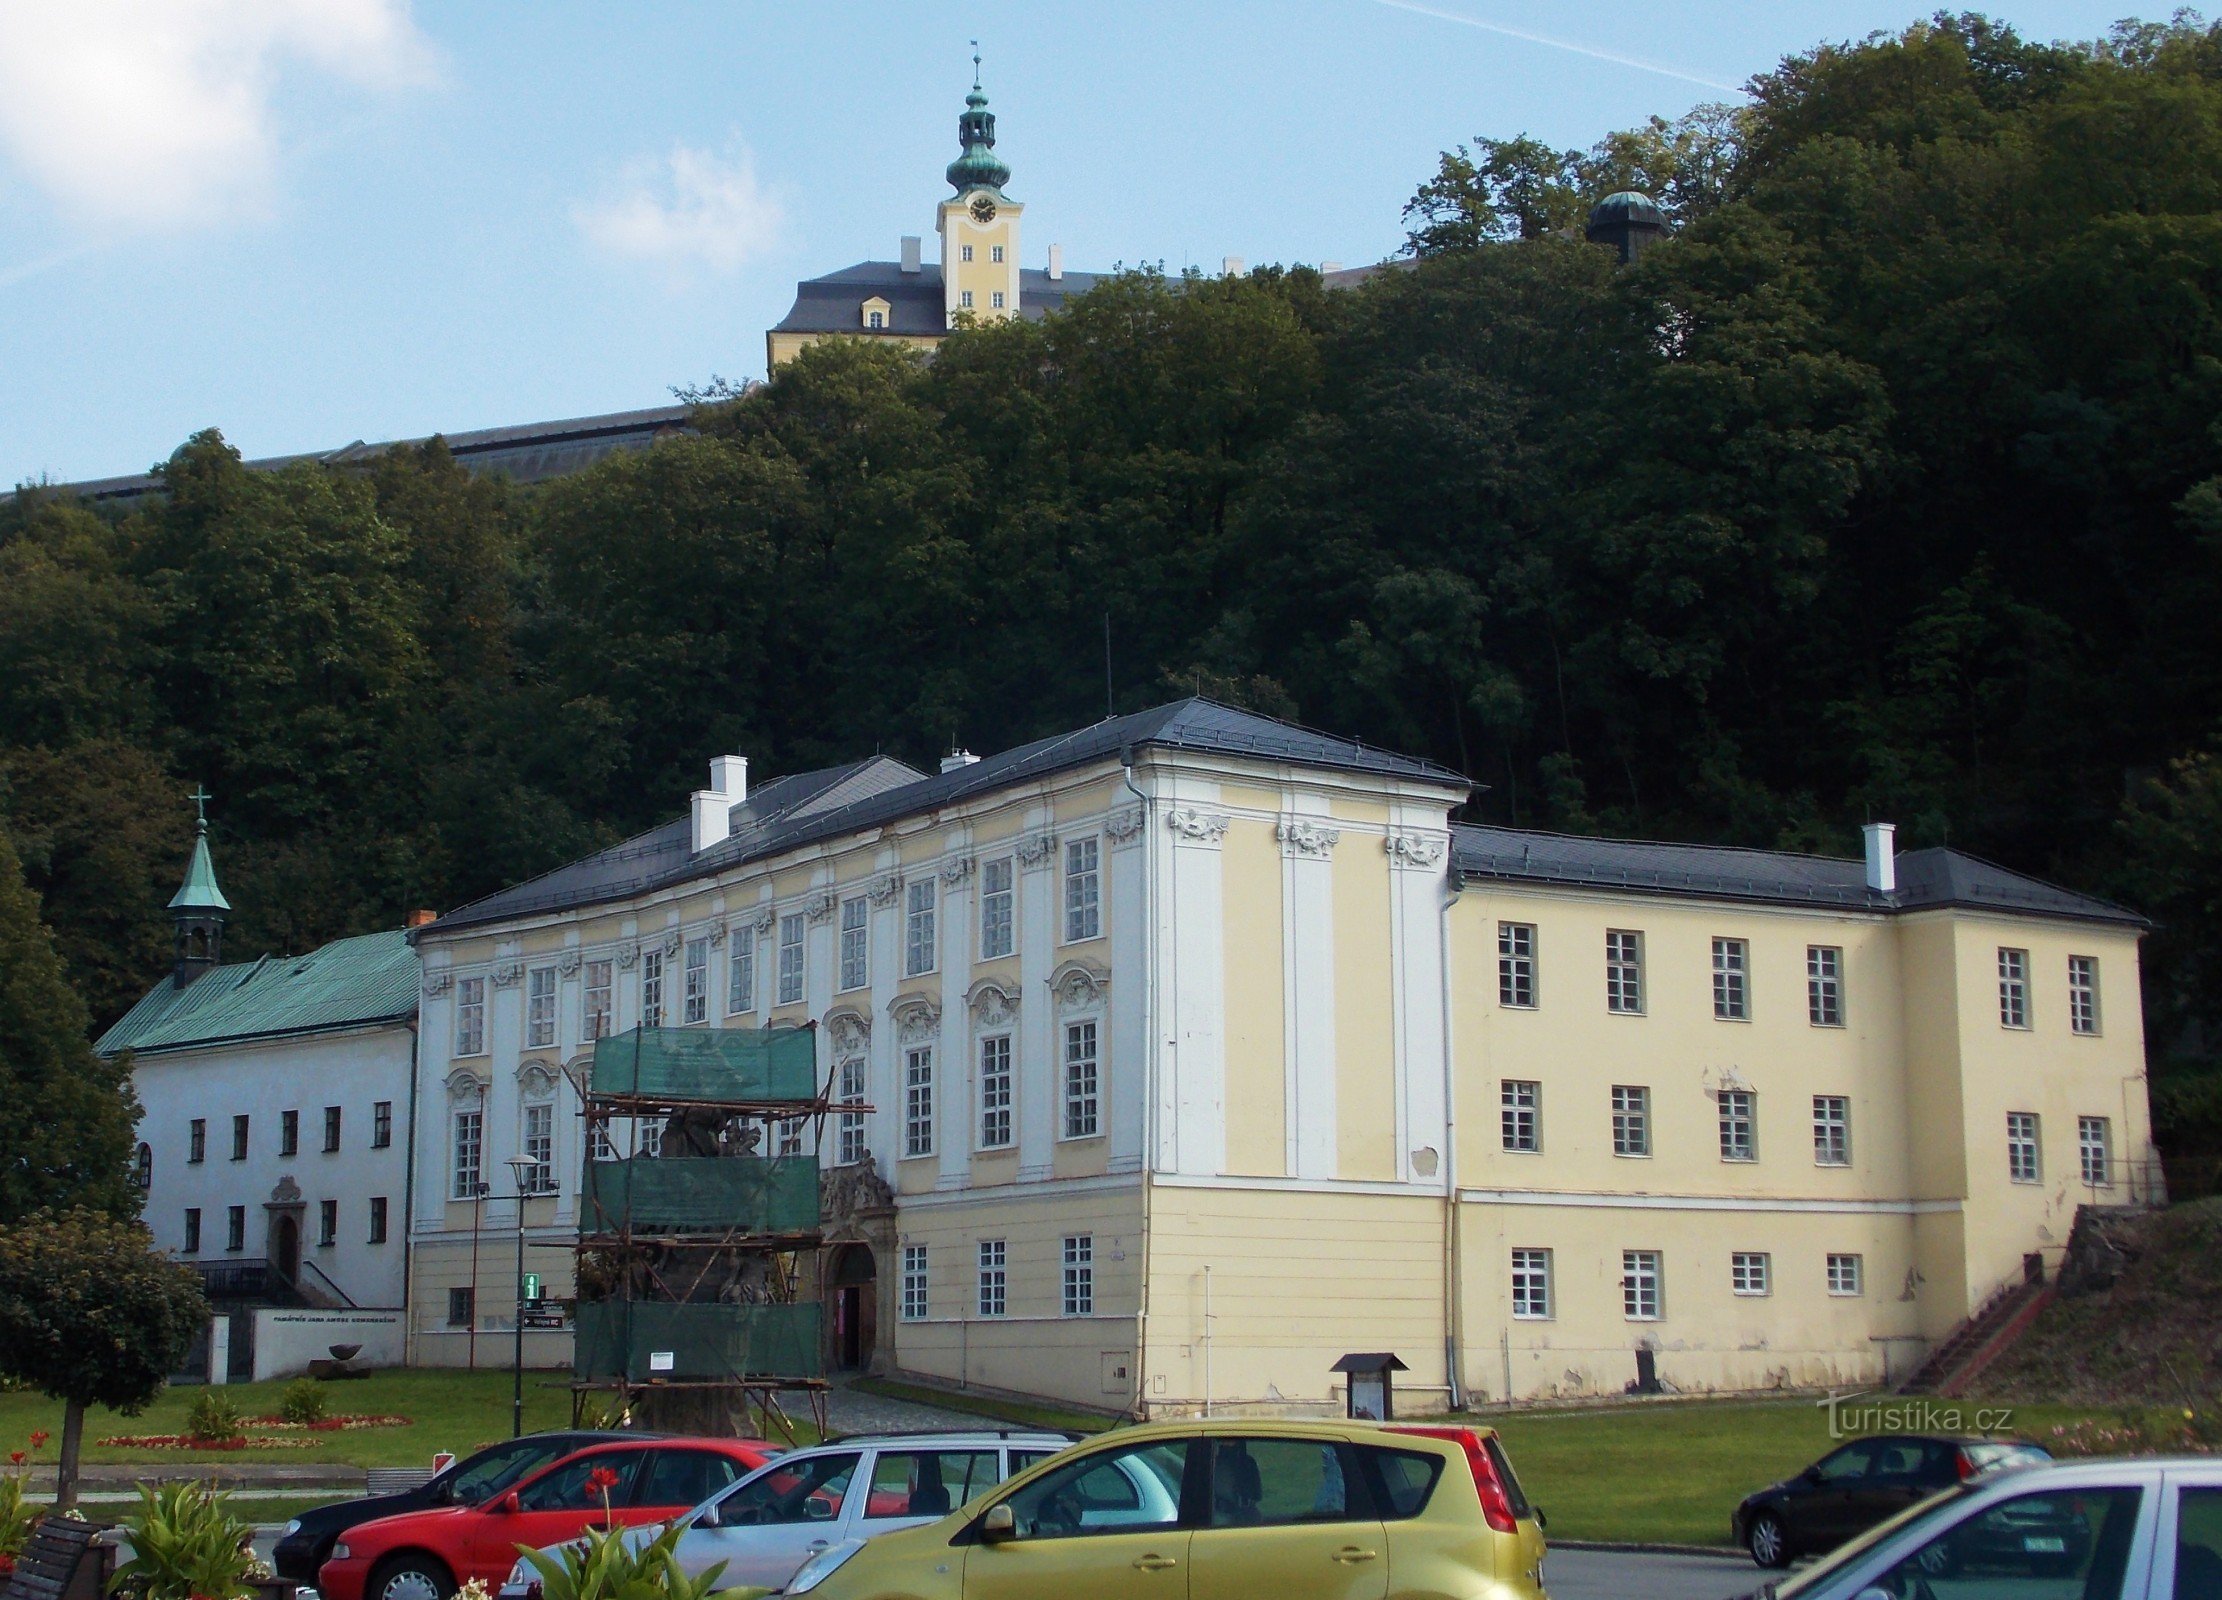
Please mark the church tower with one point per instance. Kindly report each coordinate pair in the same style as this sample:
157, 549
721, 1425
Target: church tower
979, 223
198, 910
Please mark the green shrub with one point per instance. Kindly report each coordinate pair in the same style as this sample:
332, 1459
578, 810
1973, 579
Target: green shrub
17, 1516
303, 1401
185, 1545
606, 1566
213, 1416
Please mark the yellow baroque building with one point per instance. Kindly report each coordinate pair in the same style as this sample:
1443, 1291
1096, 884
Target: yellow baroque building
1202, 1050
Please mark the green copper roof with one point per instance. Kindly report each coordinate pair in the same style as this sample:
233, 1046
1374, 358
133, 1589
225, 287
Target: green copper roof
199, 892
345, 984
978, 167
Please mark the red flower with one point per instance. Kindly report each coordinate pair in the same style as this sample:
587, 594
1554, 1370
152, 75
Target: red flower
16, 1457
601, 1480
38, 1438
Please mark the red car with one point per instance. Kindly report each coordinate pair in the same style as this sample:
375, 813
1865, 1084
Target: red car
427, 1555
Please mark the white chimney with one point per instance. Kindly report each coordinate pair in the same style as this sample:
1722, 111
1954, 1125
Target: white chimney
1327, 267
956, 759
713, 807
1056, 263
1232, 267
1882, 857
910, 252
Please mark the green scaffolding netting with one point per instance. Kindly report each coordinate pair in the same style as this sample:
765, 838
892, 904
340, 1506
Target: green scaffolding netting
683, 1194
710, 1064
630, 1339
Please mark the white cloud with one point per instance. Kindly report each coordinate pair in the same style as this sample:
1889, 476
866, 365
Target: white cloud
158, 112
695, 209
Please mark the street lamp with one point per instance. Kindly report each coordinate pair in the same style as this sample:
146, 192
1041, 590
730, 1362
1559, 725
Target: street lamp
523, 1167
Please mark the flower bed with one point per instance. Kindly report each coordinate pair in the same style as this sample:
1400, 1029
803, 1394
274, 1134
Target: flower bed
186, 1441
346, 1422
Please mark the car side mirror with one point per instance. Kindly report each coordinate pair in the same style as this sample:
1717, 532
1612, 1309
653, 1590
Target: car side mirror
999, 1525
708, 1516
505, 1505
816, 1509
1541, 1521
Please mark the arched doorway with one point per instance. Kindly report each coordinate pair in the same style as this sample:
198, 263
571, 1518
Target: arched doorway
288, 1258
852, 1307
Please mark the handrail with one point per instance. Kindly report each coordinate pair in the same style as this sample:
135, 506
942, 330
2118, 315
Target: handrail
346, 1301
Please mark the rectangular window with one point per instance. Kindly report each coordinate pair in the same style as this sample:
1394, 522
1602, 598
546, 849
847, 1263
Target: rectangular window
651, 988
997, 924
1631, 1120
856, 943
1824, 985
918, 1101
920, 954
540, 1177
2013, 988
694, 983
1080, 1274
598, 1019
1640, 1294
790, 1138
964, 296
197, 1142
192, 1230
1739, 1125
995, 1092
2083, 994
995, 296
599, 1145
1083, 891
466, 1143
1531, 1285
1732, 980
914, 1283
2024, 1160
1522, 1108
331, 1129
849, 1131
540, 1008
1080, 1079
992, 1258
462, 1307
470, 1016
327, 1224
1624, 972
1748, 1272
995, 253
235, 1229
740, 972
377, 1219
790, 959
1832, 1130
967, 252
878, 319
1845, 1274
289, 1133
239, 1138
1516, 964
2094, 1143
381, 1125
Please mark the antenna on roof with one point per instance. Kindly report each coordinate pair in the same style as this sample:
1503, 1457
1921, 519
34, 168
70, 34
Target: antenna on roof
975, 63
1110, 710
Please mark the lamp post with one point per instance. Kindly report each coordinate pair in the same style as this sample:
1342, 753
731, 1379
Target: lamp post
523, 1167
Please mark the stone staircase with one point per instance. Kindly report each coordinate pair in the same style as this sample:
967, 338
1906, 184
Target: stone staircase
1955, 1364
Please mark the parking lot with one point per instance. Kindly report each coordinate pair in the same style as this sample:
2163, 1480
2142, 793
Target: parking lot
1621, 1575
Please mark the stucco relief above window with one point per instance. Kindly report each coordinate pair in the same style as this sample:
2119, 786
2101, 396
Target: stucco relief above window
570, 961
437, 984
1037, 851
716, 935
884, 888
1422, 850
507, 975
957, 871
1300, 836
628, 957
992, 1002
536, 1078
766, 920
1079, 984
1123, 827
820, 905
916, 1016
1200, 827
849, 1029
464, 1084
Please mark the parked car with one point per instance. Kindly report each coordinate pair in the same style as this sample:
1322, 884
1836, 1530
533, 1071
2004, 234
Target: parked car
307, 1541
2123, 1529
1222, 1510
1860, 1484
767, 1525
427, 1555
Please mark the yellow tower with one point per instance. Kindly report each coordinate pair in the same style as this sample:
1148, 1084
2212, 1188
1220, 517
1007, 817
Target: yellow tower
979, 223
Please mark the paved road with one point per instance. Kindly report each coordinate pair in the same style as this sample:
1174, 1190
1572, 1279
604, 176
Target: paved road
1610, 1575
852, 1411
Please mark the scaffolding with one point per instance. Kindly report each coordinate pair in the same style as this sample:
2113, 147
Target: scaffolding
694, 1230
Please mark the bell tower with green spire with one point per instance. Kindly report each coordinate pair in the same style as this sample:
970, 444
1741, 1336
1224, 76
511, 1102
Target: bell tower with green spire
198, 910
979, 223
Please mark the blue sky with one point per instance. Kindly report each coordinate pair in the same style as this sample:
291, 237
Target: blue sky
313, 221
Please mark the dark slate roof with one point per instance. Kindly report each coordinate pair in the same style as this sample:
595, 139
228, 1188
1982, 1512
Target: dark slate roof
1927, 879
834, 303
348, 983
801, 810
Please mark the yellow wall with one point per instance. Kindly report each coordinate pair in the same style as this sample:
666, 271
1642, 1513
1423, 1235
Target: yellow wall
1257, 1095
1365, 1019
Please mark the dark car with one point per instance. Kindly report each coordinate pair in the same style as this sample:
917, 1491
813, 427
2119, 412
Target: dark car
1863, 1483
306, 1543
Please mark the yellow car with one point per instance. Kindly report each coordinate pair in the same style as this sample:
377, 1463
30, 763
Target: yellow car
1222, 1510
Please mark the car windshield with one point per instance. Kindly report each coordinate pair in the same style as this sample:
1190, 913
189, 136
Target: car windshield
488, 1475
1837, 1560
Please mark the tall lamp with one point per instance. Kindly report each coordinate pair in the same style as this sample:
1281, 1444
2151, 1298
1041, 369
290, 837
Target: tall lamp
523, 1167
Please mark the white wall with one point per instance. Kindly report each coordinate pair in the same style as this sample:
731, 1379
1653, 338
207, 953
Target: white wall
286, 1340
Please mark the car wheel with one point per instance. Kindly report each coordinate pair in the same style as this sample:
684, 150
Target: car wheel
409, 1577
1768, 1543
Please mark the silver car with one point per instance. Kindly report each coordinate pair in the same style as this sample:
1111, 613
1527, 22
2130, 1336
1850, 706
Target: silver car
766, 1525
2125, 1529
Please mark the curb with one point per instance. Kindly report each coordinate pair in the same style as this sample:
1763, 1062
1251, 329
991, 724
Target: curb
1641, 1547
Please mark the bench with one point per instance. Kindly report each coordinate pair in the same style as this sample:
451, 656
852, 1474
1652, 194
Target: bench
387, 1480
61, 1561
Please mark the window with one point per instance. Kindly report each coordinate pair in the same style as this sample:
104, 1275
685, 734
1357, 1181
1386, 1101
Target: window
327, 1224
377, 1219
918, 1100
2013, 988
239, 1137
1080, 1079
995, 1092
465, 1145
381, 1125
1739, 1125
2024, 1162
926, 1483
540, 1008
992, 1257
685, 1477
1522, 1106
1631, 1120
597, 1019
995, 253
651, 988
1116, 1490
1832, 1130
2094, 1143
1748, 1272
914, 1283
789, 1138
1531, 1285
694, 983
1083, 891
142, 1166
197, 1141
235, 1228
965, 297
790, 959
1824, 985
540, 1177
599, 1145
289, 1133
849, 1131
876, 319
1080, 1274
740, 972
811, 1490
470, 1016
995, 298
1624, 972
331, 1130
1845, 1273
856, 943
1732, 980
1264, 1482
918, 928
460, 1307
997, 925
2083, 994
1516, 964
1640, 1298
2060, 1542
967, 253
192, 1230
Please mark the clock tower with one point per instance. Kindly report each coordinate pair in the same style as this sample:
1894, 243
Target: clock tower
979, 223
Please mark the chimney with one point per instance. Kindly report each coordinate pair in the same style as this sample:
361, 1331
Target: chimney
910, 252
1232, 267
956, 759
713, 807
1329, 268
417, 919
1056, 263
1882, 857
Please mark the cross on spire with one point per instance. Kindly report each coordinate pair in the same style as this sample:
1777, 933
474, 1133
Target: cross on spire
975, 63
200, 798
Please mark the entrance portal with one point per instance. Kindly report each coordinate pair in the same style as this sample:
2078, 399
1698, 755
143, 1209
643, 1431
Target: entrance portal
289, 1249
852, 1309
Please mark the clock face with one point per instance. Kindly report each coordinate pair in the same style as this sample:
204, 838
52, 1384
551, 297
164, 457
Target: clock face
983, 209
